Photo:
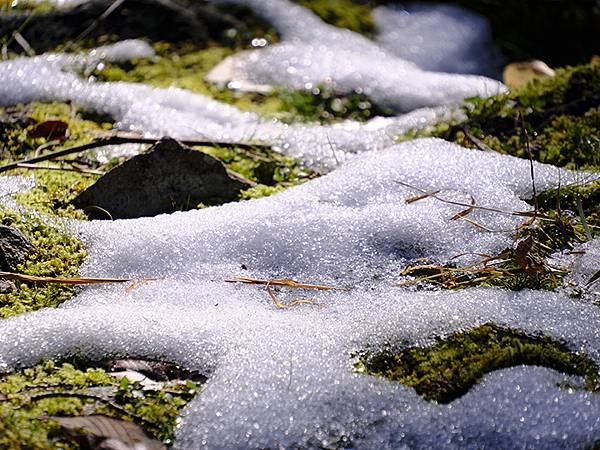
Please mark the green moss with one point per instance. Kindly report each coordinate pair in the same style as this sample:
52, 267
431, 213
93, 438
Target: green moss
185, 66
20, 120
448, 369
54, 188
54, 191
23, 406
322, 104
26, 5
56, 254
259, 191
354, 15
560, 119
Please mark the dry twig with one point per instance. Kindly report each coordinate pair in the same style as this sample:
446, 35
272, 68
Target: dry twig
59, 280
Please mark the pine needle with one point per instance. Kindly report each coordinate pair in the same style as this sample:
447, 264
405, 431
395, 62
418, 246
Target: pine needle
282, 305
284, 282
59, 280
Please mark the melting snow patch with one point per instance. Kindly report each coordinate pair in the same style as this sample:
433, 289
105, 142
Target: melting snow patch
352, 63
182, 114
284, 378
442, 38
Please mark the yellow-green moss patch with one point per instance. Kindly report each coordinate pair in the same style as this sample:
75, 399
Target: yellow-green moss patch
30, 395
559, 116
57, 254
448, 369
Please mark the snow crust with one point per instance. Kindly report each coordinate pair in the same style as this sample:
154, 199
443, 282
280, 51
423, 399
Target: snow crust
284, 378
182, 114
313, 52
441, 38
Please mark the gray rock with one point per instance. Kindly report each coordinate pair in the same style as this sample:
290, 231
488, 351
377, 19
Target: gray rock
14, 248
168, 177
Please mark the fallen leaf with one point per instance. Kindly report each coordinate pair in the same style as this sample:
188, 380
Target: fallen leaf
524, 258
520, 73
56, 129
104, 432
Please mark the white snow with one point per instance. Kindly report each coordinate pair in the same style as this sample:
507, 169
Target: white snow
441, 38
182, 114
285, 378
313, 52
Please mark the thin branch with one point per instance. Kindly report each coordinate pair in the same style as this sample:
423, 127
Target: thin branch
115, 140
59, 280
466, 205
530, 157
284, 282
62, 169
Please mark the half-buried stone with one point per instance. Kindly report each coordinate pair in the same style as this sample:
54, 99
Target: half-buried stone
14, 247
168, 177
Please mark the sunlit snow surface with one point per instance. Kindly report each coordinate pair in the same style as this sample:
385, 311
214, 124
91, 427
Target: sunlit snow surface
182, 114
314, 53
284, 378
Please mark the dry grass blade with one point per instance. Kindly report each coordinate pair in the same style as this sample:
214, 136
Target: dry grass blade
593, 279
59, 280
137, 283
284, 282
465, 212
482, 208
282, 305
416, 198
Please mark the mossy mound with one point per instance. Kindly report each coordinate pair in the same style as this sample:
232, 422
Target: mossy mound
448, 369
558, 118
553, 120
272, 171
29, 396
57, 254
353, 15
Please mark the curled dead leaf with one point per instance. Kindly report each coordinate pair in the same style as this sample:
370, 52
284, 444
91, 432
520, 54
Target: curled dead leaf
55, 129
98, 431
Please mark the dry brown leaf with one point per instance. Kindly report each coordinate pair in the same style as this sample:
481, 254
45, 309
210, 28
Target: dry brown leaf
105, 432
524, 258
520, 73
56, 129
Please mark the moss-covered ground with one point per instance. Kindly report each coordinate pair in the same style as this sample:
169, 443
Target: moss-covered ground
56, 254
558, 119
448, 369
552, 120
29, 396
